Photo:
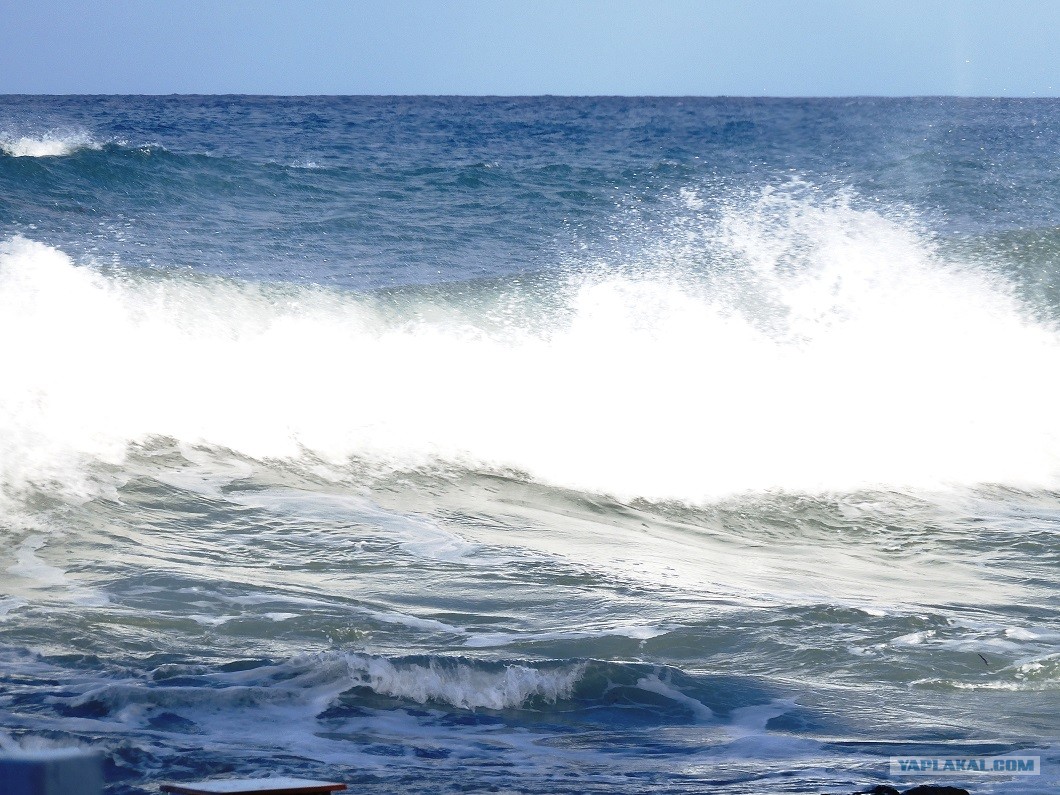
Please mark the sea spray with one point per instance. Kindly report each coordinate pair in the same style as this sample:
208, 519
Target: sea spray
51, 144
831, 349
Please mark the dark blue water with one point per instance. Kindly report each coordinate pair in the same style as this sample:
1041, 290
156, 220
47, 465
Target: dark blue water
533, 444
370, 191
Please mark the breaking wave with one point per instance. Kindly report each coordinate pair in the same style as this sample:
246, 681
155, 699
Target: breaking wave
795, 343
48, 145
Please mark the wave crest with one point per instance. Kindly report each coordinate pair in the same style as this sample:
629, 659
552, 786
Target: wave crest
48, 145
793, 344
463, 684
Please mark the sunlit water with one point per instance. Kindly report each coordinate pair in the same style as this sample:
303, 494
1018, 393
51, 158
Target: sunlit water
531, 445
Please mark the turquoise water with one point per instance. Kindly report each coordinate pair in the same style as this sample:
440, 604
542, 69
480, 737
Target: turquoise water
531, 445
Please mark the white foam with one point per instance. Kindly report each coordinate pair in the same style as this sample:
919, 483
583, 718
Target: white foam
212, 621
913, 638
463, 685
44, 580
753, 719
1019, 633
489, 639
748, 738
35, 747
414, 622
48, 145
420, 536
29, 566
278, 617
654, 684
826, 349
9, 604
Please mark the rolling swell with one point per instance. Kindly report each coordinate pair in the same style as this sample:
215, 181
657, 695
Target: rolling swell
336, 690
323, 220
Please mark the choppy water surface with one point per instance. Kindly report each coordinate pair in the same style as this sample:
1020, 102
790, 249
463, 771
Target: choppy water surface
540, 445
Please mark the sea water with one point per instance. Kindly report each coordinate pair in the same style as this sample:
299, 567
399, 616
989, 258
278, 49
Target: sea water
544, 445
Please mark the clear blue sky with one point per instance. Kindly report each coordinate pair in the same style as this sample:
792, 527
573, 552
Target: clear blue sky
704, 47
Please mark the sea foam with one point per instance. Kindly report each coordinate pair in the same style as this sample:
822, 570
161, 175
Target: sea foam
822, 347
462, 684
48, 145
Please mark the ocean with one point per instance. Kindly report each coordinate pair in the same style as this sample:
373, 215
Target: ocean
532, 445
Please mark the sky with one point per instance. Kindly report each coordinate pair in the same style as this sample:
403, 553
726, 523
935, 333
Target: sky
526, 47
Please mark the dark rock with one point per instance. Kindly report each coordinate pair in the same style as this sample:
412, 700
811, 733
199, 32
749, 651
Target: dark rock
923, 789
